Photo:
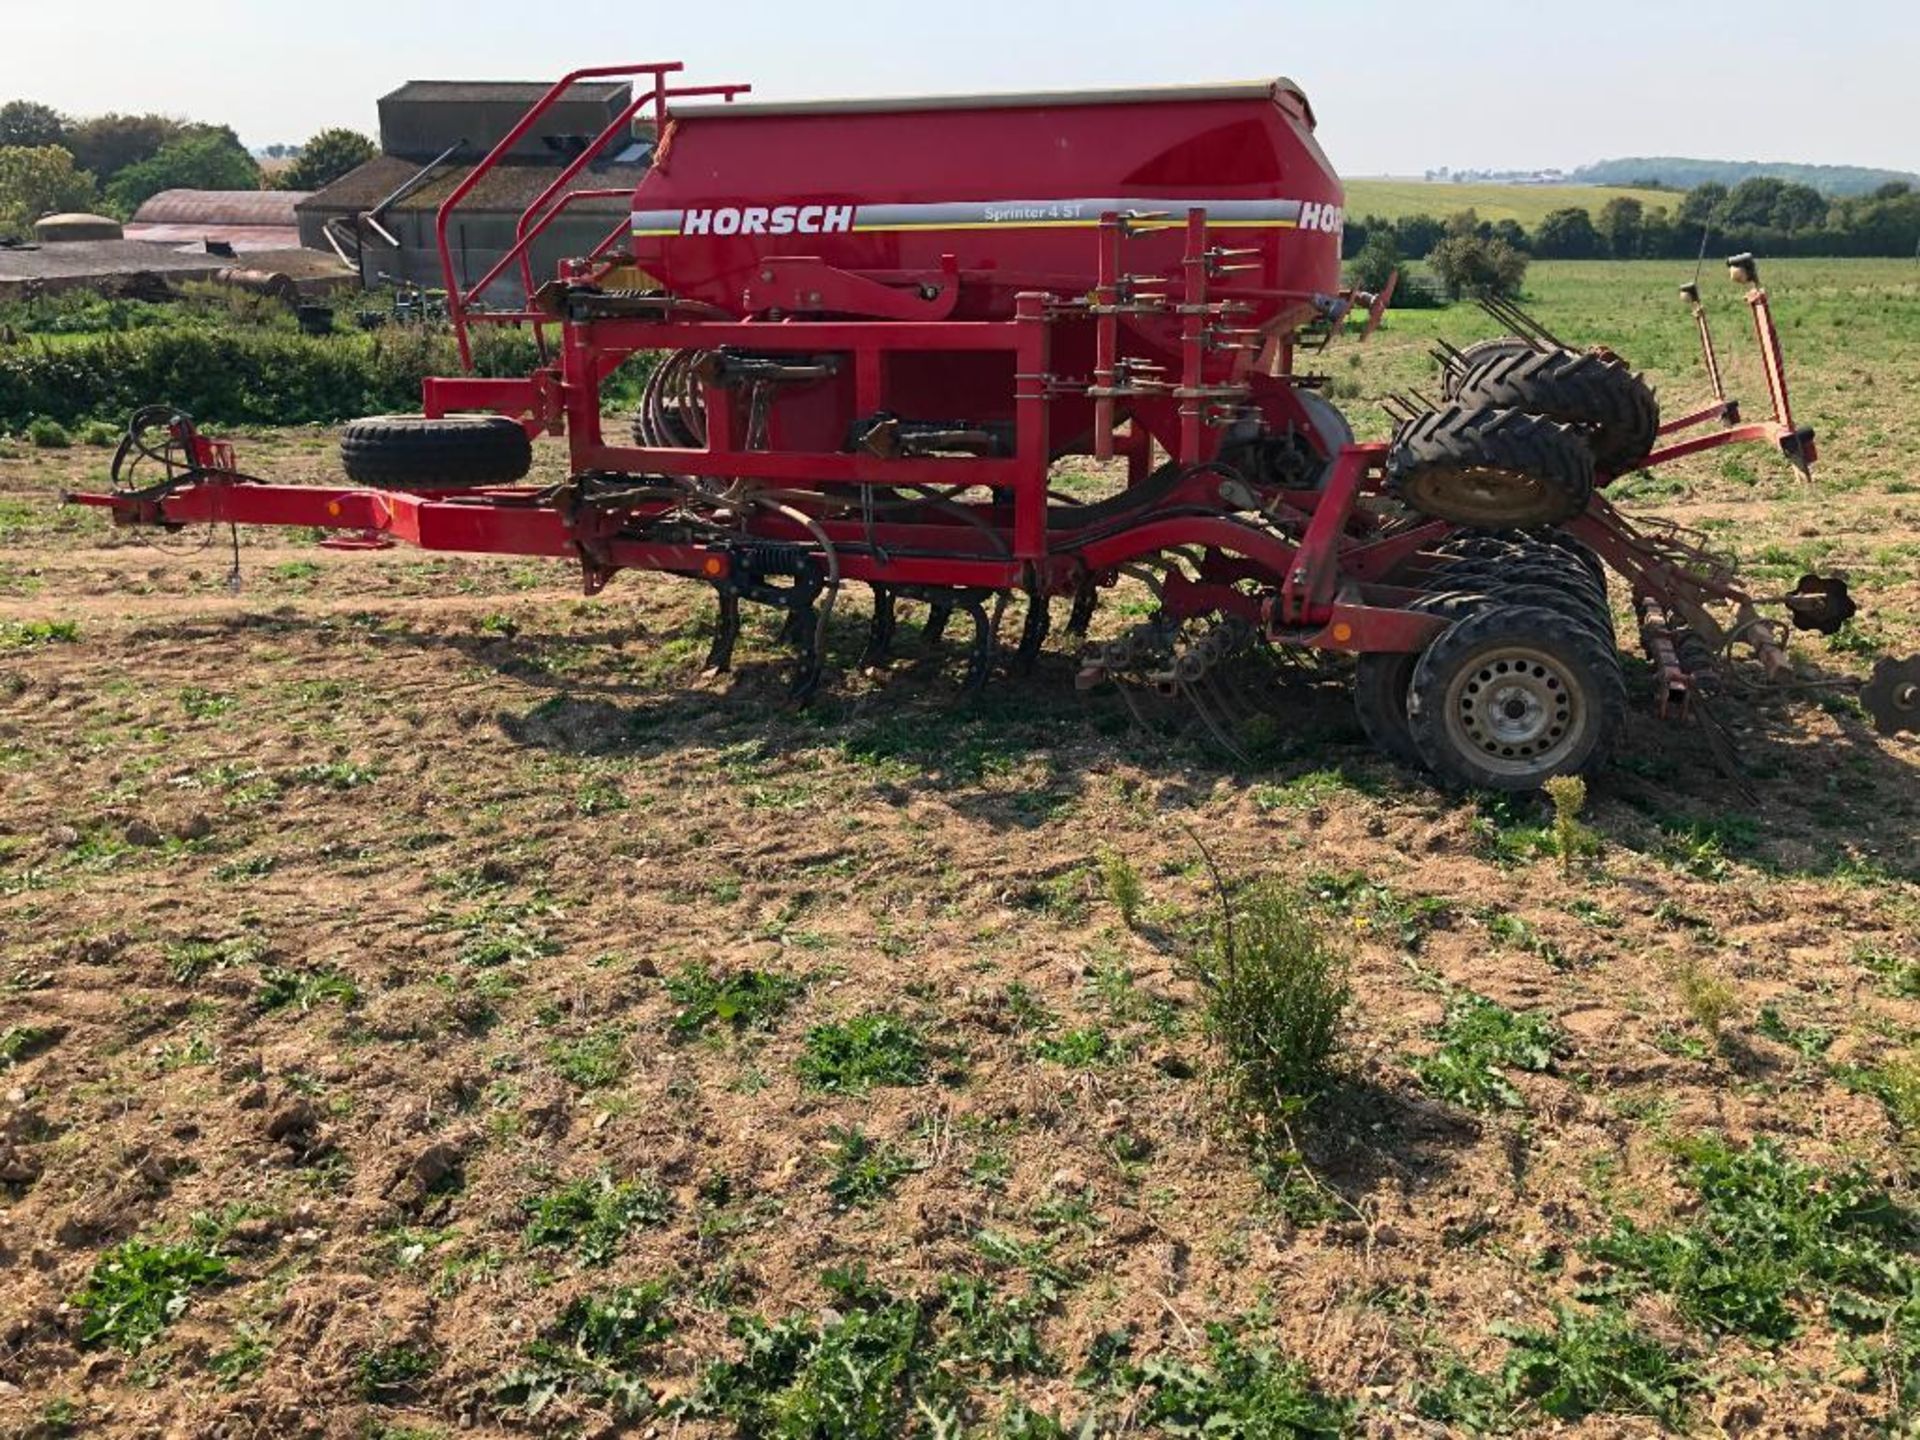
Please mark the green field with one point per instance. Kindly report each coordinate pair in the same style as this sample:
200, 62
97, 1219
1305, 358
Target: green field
1528, 204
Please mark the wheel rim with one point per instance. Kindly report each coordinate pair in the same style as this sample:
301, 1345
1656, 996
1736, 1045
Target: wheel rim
1515, 710
1482, 495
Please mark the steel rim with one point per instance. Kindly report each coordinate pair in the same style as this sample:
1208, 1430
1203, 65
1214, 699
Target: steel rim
1481, 495
1515, 710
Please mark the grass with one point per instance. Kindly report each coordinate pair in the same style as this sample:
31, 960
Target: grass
852, 1056
139, 1287
1276, 998
1481, 1041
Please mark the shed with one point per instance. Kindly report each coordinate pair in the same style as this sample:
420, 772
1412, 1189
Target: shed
243, 220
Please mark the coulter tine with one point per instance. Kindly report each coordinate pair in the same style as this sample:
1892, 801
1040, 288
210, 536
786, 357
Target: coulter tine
935, 627
1033, 634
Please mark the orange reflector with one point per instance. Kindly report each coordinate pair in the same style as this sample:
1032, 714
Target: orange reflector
333, 507
1343, 633
713, 565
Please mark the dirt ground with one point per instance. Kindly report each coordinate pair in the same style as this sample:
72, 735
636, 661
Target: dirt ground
338, 918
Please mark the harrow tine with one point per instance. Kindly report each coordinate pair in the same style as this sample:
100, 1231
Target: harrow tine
1225, 740
726, 633
804, 630
880, 630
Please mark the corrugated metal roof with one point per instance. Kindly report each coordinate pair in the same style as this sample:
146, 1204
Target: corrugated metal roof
509, 187
240, 237
221, 207
522, 91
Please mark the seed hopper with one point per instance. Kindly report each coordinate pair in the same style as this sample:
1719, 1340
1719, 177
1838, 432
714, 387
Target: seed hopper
880, 332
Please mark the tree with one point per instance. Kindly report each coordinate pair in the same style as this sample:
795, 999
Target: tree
1513, 233
326, 157
1417, 234
1375, 263
208, 160
108, 144
1659, 236
27, 124
1752, 200
1465, 261
1704, 204
1566, 235
1621, 221
1800, 207
38, 180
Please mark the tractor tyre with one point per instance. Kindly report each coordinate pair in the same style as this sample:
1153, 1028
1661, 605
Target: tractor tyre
1513, 695
412, 452
1478, 354
1612, 409
1527, 569
1493, 469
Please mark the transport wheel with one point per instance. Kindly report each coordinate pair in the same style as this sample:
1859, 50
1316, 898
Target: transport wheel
1513, 695
411, 452
1612, 409
1477, 354
1381, 680
1500, 469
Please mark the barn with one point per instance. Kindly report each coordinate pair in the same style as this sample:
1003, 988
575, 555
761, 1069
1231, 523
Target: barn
380, 216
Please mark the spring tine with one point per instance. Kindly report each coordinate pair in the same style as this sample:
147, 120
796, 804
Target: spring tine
1085, 600
940, 612
879, 631
1033, 634
980, 658
726, 632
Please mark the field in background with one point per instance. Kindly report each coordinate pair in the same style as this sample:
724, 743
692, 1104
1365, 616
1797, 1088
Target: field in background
1529, 204
472, 1021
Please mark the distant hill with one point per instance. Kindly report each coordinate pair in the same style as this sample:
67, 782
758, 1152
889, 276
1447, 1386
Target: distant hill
1391, 198
1682, 174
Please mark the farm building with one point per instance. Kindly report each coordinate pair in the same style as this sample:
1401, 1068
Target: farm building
240, 220
380, 217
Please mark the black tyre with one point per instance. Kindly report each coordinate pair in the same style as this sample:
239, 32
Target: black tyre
1524, 569
1509, 697
1613, 409
411, 452
1478, 354
1381, 680
1500, 469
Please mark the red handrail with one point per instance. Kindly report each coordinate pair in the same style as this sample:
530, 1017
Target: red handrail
458, 299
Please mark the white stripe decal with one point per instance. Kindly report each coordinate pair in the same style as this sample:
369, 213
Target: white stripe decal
827, 218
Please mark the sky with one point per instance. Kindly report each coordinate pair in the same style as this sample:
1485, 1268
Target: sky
1399, 86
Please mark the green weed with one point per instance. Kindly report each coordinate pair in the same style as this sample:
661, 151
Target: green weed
591, 1061
852, 1056
1276, 1002
589, 1218
1244, 1390
1122, 883
20, 634
1596, 1363
282, 986
594, 1350
1480, 1041
744, 1000
389, 1372
139, 1288
864, 1173
23, 1042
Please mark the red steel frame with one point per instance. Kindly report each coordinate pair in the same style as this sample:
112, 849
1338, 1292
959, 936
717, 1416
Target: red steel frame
1325, 590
